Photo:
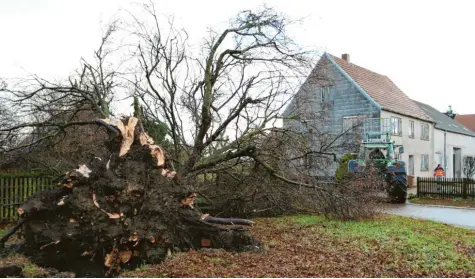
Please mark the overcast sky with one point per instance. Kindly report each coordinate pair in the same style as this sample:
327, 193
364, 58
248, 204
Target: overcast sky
426, 47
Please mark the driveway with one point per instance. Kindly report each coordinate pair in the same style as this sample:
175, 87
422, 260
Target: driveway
453, 216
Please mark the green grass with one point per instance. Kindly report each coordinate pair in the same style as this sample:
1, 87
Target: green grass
427, 245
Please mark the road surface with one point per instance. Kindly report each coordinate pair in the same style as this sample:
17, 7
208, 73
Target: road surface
453, 216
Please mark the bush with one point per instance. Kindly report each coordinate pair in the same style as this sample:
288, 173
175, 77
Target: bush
342, 170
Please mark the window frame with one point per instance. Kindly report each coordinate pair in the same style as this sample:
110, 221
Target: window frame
423, 125
395, 120
412, 129
426, 160
325, 92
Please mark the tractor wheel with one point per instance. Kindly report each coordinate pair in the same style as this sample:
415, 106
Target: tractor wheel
398, 191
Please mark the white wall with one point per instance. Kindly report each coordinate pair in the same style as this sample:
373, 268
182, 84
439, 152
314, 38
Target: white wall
465, 143
414, 146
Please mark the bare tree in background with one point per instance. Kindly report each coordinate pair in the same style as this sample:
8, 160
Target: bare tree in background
7, 117
469, 166
47, 107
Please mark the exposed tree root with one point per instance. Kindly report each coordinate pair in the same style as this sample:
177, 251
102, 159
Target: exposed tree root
121, 211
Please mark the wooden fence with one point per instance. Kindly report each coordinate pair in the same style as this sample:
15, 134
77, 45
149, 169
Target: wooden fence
16, 189
446, 188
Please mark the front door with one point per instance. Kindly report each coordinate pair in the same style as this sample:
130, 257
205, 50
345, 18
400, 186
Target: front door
411, 165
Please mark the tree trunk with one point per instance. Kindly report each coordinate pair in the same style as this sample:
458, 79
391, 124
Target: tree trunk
123, 210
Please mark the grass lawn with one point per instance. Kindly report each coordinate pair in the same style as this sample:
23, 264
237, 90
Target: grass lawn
446, 202
311, 246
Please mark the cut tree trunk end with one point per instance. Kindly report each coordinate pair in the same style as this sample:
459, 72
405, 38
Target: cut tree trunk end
121, 211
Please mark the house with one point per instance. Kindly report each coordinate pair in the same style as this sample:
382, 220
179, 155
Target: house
337, 94
452, 141
468, 120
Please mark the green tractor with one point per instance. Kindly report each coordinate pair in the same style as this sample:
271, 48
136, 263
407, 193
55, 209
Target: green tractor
378, 150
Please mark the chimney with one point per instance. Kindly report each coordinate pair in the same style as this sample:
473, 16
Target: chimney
346, 57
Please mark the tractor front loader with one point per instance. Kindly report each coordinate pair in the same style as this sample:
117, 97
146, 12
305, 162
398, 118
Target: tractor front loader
378, 150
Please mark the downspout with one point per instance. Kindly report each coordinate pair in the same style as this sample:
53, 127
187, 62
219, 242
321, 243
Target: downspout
445, 150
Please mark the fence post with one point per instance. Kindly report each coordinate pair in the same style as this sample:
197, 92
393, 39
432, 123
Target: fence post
418, 184
464, 188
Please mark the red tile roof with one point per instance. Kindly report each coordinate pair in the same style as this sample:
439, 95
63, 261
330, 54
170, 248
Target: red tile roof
467, 120
382, 90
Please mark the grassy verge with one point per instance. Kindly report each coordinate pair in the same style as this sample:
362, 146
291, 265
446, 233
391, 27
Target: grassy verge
458, 202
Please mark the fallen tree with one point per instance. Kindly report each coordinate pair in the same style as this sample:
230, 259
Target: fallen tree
125, 209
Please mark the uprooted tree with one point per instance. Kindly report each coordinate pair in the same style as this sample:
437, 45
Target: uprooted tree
126, 207
218, 109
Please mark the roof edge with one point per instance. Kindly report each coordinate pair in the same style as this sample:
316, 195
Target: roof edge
468, 133
352, 81
412, 116
448, 131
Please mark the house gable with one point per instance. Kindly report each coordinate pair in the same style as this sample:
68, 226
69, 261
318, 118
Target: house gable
325, 120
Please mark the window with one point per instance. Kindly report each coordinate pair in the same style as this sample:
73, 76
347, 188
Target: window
424, 162
325, 94
396, 125
349, 123
424, 131
411, 129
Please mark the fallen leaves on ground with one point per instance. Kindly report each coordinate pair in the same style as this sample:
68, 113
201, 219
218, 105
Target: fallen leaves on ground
310, 246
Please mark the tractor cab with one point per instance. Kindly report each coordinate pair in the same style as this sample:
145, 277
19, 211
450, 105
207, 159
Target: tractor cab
377, 148
379, 151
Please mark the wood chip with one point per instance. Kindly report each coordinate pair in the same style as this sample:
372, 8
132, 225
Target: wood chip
134, 237
159, 154
94, 200
49, 244
108, 260
125, 256
128, 136
145, 139
189, 201
83, 170
168, 173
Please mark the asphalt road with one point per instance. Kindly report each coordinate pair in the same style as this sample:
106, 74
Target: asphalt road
453, 216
